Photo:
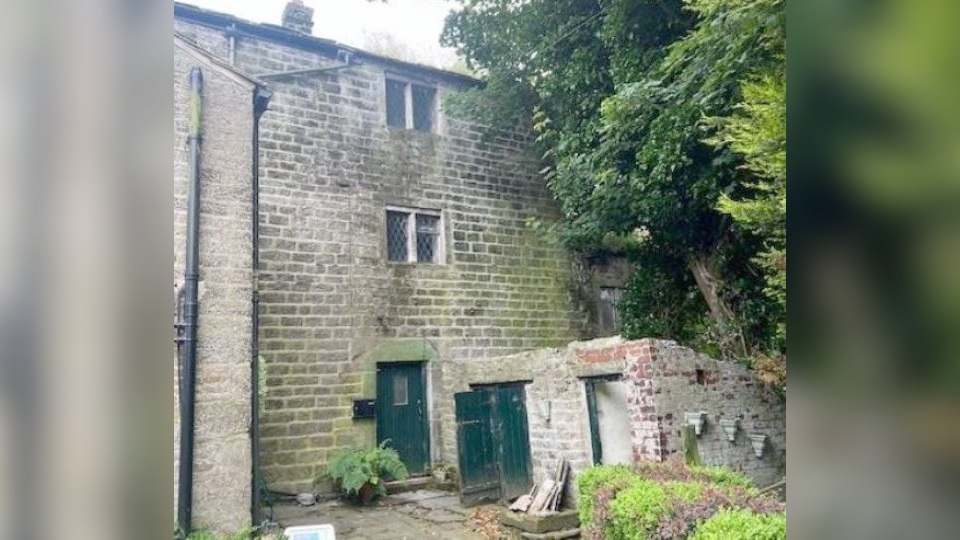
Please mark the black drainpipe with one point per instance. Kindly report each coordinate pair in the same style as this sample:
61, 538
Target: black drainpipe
188, 367
261, 97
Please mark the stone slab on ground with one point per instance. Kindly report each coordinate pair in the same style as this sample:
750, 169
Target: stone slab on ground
565, 519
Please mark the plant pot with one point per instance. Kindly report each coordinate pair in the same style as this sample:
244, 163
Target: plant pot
366, 493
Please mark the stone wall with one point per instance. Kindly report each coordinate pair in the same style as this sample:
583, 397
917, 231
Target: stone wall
663, 381
555, 378
329, 299
222, 466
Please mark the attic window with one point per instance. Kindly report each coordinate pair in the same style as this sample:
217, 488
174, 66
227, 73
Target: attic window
410, 105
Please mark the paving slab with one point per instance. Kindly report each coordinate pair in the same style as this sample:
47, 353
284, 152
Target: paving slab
411, 515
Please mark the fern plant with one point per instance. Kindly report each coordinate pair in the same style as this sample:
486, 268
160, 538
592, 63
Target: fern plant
360, 474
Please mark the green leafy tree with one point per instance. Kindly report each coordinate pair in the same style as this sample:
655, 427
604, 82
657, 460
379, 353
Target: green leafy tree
618, 92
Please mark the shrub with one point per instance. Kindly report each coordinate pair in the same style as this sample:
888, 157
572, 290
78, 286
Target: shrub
722, 476
637, 510
360, 474
662, 500
611, 478
742, 524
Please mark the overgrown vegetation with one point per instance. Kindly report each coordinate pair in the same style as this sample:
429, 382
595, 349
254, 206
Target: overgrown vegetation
671, 500
663, 135
730, 523
360, 474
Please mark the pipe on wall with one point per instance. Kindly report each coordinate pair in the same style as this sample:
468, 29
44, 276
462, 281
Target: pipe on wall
191, 277
261, 98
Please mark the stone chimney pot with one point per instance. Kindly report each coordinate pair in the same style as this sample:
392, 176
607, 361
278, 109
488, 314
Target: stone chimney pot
298, 17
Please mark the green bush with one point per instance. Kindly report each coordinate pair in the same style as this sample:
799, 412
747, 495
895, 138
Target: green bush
721, 476
612, 477
741, 524
357, 470
685, 491
636, 511
664, 500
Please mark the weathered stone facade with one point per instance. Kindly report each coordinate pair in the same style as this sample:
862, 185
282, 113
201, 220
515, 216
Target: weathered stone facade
331, 305
222, 452
663, 381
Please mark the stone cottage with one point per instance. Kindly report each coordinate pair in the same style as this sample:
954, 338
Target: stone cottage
392, 254
392, 238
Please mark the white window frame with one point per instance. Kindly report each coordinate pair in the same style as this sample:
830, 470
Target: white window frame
408, 102
441, 249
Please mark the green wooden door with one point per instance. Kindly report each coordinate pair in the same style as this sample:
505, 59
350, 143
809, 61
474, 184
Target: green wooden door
493, 442
402, 413
479, 474
512, 434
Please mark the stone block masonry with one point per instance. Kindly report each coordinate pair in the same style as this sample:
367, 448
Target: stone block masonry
329, 299
222, 456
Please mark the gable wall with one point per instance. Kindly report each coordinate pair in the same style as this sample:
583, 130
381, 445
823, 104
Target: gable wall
222, 458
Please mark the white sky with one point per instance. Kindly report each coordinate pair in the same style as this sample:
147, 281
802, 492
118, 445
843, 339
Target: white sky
416, 23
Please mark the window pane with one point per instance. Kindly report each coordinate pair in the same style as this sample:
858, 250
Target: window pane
423, 107
400, 390
397, 235
396, 104
428, 238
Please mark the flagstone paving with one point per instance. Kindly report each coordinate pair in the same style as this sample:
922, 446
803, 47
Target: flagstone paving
403, 516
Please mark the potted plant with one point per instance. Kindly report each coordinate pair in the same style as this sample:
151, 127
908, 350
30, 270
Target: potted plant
360, 474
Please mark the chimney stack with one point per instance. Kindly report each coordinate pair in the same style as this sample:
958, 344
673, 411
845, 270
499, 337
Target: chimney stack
298, 17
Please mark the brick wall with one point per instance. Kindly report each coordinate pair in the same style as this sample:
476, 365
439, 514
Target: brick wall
330, 166
668, 373
222, 443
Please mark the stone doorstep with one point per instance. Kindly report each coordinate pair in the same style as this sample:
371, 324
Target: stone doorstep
560, 521
418, 482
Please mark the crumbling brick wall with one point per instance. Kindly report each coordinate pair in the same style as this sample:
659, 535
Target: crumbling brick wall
670, 380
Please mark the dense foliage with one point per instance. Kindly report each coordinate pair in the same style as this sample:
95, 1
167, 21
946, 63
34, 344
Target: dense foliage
732, 524
671, 501
355, 470
659, 127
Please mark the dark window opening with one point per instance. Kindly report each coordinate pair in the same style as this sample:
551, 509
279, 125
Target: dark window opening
396, 104
701, 377
397, 236
423, 107
609, 316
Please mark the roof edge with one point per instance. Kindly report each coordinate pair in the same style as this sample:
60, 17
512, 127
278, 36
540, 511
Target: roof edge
284, 36
198, 52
